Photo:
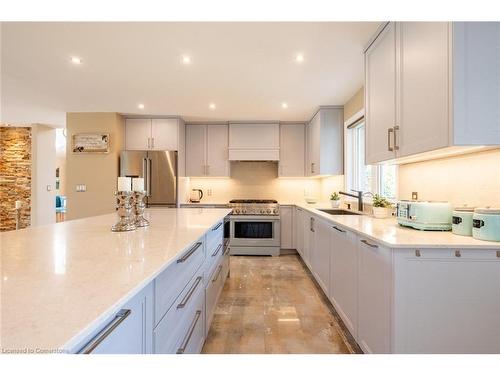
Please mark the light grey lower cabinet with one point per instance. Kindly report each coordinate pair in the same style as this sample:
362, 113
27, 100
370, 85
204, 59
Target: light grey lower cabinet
344, 275
128, 331
374, 297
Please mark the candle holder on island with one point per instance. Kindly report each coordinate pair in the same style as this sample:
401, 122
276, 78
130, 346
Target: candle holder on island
124, 205
139, 207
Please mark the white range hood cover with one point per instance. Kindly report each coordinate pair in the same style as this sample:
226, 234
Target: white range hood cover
254, 142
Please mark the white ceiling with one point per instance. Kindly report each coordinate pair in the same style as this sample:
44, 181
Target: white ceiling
246, 69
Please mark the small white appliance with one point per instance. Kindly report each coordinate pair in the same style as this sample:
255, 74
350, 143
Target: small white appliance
196, 195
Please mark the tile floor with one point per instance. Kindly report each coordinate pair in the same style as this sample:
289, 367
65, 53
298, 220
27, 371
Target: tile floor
272, 305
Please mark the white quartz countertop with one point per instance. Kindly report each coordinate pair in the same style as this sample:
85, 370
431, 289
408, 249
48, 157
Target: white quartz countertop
62, 280
391, 234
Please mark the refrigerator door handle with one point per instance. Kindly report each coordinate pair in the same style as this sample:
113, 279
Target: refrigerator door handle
148, 181
145, 173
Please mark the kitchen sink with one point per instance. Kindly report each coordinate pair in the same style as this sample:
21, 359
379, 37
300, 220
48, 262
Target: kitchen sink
339, 212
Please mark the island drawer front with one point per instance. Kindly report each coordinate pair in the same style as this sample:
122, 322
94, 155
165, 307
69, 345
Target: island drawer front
215, 250
225, 266
173, 327
214, 238
171, 282
213, 289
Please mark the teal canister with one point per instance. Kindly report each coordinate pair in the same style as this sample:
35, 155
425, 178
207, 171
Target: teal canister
461, 221
486, 224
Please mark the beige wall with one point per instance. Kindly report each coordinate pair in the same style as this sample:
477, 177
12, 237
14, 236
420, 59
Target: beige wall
98, 171
257, 180
355, 104
472, 179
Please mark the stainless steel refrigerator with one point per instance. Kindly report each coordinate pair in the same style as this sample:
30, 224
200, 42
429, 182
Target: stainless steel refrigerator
159, 170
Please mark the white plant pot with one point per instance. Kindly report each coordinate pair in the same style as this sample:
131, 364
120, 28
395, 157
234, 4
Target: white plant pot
335, 204
380, 212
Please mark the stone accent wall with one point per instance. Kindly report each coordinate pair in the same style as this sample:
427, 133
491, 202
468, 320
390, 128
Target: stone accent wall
15, 175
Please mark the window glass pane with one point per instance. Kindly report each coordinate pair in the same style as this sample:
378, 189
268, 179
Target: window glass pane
388, 181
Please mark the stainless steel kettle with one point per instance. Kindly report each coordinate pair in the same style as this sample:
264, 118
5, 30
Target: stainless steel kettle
196, 195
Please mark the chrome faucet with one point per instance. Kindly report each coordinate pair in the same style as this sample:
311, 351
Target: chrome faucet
359, 196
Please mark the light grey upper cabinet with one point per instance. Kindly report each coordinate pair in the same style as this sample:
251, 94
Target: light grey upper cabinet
325, 131
207, 150
430, 86
153, 134
292, 150
380, 96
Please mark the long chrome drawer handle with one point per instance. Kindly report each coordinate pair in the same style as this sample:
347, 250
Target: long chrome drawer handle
105, 332
218, 274
185, 300
185, 342
226, 249
217, 250
340, 230
189, 253
369, 244
217, 227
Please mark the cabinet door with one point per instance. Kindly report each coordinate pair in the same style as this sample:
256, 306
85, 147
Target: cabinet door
374, 297
344, 276
329, 152
299, 231
286, 225
137, 134
424, 86
292, 150
380, 96
320, 254
130, 329
454, 308
164, 134
196, 150
217, 151
308, 238
313, 145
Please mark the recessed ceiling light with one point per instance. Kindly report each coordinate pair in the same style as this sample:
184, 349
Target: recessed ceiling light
140, 106
211, 106
186, 59
299, 58
76, 60
284, 105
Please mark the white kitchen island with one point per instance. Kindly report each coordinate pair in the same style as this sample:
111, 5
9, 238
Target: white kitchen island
67, 286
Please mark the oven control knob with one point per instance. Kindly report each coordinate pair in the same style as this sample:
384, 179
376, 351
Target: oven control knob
261, 211
243, 211
268, 211
275, 211
237, 211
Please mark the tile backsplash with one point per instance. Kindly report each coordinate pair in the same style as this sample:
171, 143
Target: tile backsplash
257, 180
472, 179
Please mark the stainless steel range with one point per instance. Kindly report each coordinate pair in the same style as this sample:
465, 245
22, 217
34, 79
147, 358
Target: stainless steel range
255, 227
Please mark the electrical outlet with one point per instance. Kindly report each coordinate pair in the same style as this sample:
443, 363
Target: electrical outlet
209, 192
414, 196
81, 188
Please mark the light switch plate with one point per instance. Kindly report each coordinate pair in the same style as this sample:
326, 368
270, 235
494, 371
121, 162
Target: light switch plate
414, 196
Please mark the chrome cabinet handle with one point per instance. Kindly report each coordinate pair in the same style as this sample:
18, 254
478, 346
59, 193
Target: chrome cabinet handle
226, 250
338, 229
189, 253
369, 244
208, 170
312, 224
218, 274
217, 227
152, 142
312, 168
217, 250
185, 342
396, 147
149, 143
186, 299
389, 131
105, 332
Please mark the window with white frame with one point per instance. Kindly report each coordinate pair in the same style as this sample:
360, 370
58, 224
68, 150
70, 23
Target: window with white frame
376, 179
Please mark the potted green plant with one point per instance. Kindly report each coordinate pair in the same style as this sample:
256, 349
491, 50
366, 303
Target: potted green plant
335, 200
381, 207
